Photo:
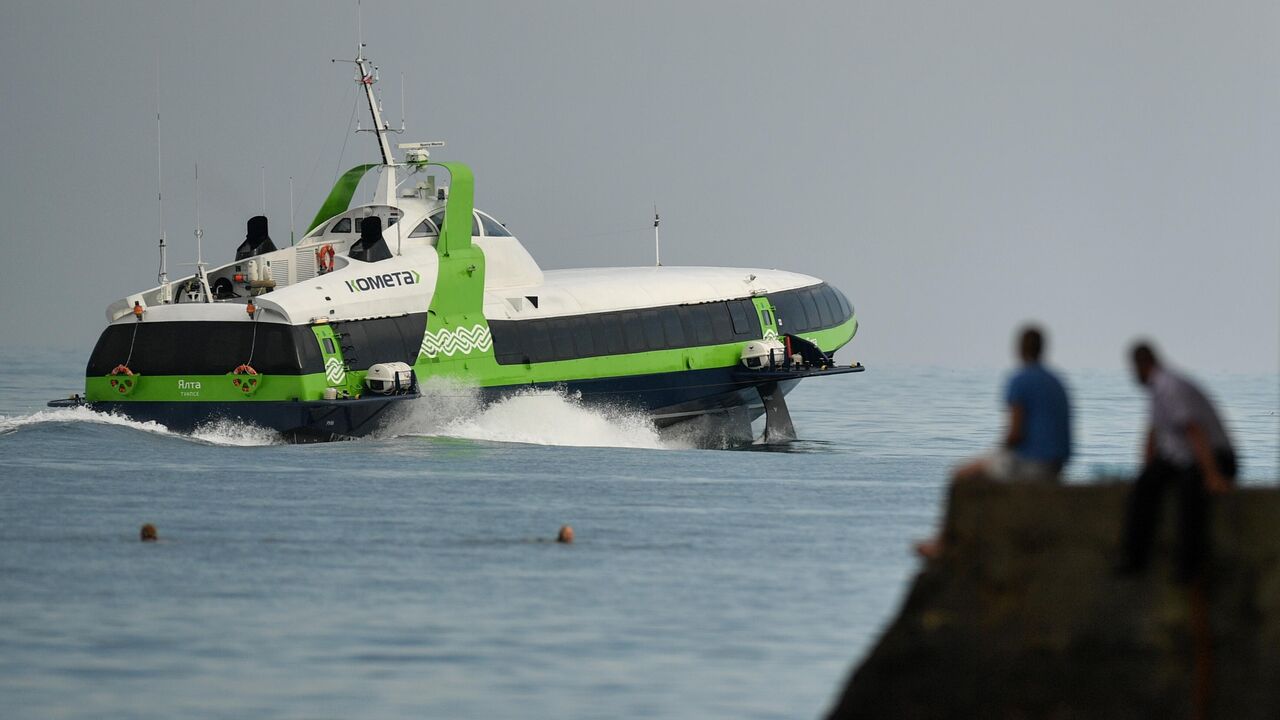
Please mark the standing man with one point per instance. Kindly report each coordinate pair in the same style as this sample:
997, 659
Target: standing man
1037, 441
1187, 447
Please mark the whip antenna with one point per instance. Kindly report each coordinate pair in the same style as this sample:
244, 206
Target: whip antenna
657, 244
163, 276
199, 230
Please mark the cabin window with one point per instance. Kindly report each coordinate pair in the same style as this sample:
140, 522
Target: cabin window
721, 324
628, 331
382, 340
833, 301
741, 319
633, 331
206, 348
425, 229
438, 219
342, 226
328, 346
582, 341
814, 320
606, 333
539, 341
696, 324
653, 336
825, 317
672, 329
562, 343
492, 228
811, 308
790, 315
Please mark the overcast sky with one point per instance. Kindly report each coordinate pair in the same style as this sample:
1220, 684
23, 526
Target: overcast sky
1110, 169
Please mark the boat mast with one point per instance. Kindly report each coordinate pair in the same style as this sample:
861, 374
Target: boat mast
367, 76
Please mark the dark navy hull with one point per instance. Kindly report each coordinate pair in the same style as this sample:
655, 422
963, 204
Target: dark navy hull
674, 398
312, 421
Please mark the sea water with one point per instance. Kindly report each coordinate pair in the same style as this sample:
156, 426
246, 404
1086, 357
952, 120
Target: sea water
413, 574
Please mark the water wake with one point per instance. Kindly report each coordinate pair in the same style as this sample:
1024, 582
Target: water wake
535, 417
14, 423
235, 432
221, 432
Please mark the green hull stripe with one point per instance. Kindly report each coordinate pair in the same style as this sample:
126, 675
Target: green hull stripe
483, 370
208, 388
340, 196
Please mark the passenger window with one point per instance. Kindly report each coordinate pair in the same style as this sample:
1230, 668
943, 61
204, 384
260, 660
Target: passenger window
539, 340
697, 324
837, 315
342, 226
492, 228
790, 315
424, 229
633, 331
562, 339
740, 317
813, 319
606, 333
721, 325
328, 346
438, 219
653, 338
825, 318
671, 328
582, 344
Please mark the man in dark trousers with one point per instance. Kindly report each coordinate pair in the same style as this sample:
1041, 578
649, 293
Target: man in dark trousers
1187, 448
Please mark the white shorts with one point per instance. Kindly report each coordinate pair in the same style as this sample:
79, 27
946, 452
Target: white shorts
1005, 466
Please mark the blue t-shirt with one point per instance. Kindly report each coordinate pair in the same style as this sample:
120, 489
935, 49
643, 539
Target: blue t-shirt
1046, 414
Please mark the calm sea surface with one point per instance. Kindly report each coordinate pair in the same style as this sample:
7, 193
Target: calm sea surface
410, 575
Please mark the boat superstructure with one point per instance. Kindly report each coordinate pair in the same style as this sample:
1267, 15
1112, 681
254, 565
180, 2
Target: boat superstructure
322, 338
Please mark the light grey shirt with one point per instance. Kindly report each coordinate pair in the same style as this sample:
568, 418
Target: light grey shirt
1176, 403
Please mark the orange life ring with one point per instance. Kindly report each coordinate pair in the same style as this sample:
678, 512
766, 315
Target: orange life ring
324, 258
122, 379
242, 380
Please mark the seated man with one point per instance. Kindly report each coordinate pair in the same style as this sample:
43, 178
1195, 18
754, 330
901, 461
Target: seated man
1037, 443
